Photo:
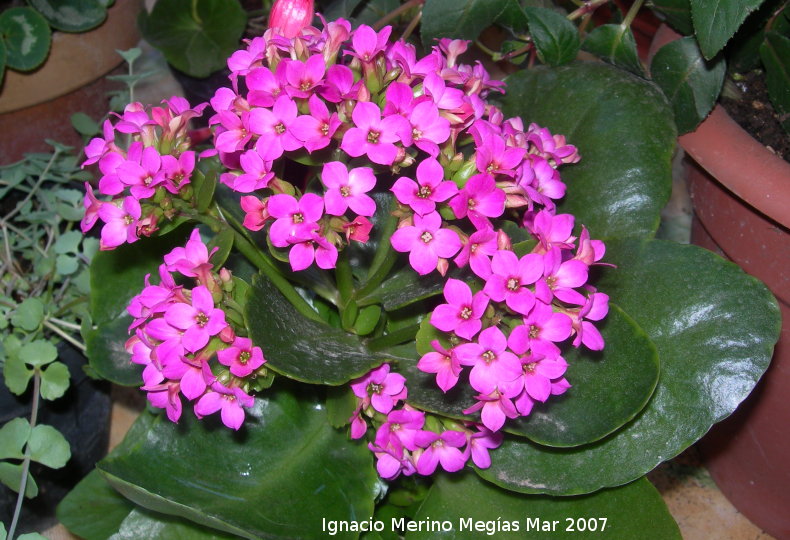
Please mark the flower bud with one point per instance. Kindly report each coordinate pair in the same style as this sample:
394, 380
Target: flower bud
288, 17
503, 240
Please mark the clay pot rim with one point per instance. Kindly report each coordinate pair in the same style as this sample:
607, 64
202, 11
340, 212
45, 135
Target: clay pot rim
725, 150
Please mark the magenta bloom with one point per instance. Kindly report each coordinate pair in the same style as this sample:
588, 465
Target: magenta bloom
538, 375
429, 188
540, 331
509, 279
274, 127
367, 43
480, 443
227, 400
143, 172
496, 406
372, 135
165, 396
199, 320
491, 363
312, 247
241, 357
288, 17
479, 199
441, 449
317, 128
442, 362
384, 389
348, 189
178, 171
402, 425
295, 220
303, 77
426, 129
477, 252
192, 259
257, 173
462, 312
426, 241
561, 278
120, 223
256, 212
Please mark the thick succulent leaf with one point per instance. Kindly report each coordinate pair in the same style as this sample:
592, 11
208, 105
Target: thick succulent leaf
474, 509
265, 481
623, 179
71, 15
608, 388
340, 8
458, 19
691, 83
677, 13
775, 53
107, 354
93, 510
300, 348
27, 38
141, 523
715, 21
714, 328
556, 38
405, 286
196, 42
615, 44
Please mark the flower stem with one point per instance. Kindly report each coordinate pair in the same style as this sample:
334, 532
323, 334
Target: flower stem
395, 338
629, 17
26, 461
344, 279
383, 260
378, 25
585, 9
64, 335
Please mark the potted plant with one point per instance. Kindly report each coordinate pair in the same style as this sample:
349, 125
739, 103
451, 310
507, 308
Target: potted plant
63, 73
373, 273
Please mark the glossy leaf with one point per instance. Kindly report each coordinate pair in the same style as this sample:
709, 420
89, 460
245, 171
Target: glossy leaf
107, 354
715, 21
714, 328
267, 480
677, 13
196, 42
458, 19
556, 38
71, 15
775, 54
141, 523
618, 189
405, 286
27, 38
608, 388
93, 510
340, 8
690, 83
300, 348
616, 45
477, 510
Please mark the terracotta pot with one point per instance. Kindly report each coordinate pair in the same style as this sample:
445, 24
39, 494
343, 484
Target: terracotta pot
38, 104
741, 197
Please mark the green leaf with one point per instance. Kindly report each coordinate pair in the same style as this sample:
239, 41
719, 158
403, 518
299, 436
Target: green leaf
715, 21
71, 15
66, 264
48, 447
195, 37
690, 83
340, 8
16, 374
54, 380
107, 354
300, 348
775, 54
556, 38
29, 314
93, 510
11, 476
27, 38
38, 353
130, 55
13, 436
373, 10
608, 388
84, 124
267, 480
617, 189
3, 56
475, 509
714, 328
458, 19
141, 523
677, 13
615, 44
405, 286
340, 405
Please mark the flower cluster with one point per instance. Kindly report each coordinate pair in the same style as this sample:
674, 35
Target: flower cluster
180, 334
407, 440
143, 177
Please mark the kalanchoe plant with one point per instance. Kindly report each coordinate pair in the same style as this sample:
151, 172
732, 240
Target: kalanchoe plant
373, 273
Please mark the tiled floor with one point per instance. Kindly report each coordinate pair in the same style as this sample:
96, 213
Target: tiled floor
700, 509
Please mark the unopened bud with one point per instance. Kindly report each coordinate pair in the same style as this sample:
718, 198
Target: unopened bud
503, 240
288, 17
227, 335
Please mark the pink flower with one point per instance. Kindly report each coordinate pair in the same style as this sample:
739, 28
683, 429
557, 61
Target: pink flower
303, 77
241, 357
477, 252
541, 330
295, 220
200, 320
426, 241
426, 129
257, 173
429, 189
288, 17
358, 230
178, 171
348, 189
491, 363
561, 278
496, 406
142, 171
120, 223
227, 400
92, 205
384, 389
256, 212
480, 443
462, 312
317, 128
442, 362
372, 135
441, 449
274, 127
309, 248
510, 277
165, 396
479, 199
367, 43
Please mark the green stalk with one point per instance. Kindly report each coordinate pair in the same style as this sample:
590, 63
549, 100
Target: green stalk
383, 261
395, 338
344, 279
26, 462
